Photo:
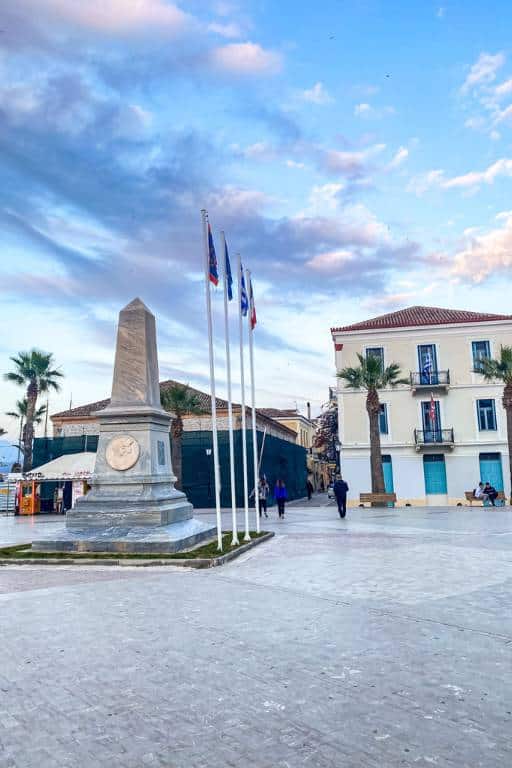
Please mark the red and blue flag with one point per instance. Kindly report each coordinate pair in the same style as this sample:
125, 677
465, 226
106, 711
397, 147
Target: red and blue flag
213, 269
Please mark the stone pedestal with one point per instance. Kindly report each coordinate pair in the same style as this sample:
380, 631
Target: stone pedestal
133, 505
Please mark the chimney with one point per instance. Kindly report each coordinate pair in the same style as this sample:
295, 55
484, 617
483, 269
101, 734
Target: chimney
308, 406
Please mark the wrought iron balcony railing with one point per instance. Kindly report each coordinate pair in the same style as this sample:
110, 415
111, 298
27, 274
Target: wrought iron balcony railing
431, 379
433, 436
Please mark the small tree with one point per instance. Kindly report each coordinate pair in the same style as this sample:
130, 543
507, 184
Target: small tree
500, 369
179, 401
21, 414
372, 376
327, 431
33, 370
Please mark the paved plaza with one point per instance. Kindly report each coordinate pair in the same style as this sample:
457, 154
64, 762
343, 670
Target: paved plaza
381, 640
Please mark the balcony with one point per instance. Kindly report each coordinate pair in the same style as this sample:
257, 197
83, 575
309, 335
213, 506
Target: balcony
435, 380
439, 439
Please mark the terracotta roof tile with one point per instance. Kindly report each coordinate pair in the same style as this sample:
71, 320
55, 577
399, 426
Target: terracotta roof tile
424, 316
82, 411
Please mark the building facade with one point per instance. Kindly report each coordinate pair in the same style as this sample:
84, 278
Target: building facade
443, 431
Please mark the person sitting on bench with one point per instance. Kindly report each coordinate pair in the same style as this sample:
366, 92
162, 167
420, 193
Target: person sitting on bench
490, 493
478, 493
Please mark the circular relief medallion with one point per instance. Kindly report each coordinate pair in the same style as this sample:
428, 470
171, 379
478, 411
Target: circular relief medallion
122, 452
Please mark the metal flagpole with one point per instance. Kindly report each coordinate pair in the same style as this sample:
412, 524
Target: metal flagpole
212, 379
247, 536
234, 539
261, 452
253, 401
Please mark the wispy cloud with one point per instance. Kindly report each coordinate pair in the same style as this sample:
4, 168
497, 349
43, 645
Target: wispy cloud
484, 70
246, 59
399, 158
318, 94
487, 254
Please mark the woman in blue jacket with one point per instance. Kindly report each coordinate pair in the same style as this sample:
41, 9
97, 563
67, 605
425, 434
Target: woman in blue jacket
280, 495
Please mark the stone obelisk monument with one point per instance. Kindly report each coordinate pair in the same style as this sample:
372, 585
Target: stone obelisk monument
133, 505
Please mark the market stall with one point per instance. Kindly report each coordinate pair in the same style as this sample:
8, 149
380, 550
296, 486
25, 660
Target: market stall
54, 487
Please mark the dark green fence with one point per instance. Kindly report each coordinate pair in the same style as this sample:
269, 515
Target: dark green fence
280, 460
48, 448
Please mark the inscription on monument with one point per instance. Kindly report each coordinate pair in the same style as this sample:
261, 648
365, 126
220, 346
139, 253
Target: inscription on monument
161, 453
122, 452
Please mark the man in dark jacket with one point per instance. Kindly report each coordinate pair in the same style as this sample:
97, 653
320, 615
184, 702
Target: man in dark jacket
340, 489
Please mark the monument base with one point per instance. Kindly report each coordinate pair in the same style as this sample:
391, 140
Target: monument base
161, 539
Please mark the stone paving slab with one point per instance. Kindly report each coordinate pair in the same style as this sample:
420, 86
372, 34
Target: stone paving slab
368, 642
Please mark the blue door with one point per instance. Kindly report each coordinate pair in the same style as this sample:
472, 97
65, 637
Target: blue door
387, 467
434, 470
491, 470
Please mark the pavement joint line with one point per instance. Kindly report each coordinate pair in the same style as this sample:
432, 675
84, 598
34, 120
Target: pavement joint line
377, 611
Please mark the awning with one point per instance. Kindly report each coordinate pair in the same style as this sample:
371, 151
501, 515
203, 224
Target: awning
73, 466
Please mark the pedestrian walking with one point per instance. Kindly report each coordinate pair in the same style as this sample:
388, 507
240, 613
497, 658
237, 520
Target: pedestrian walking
280, 495
309, 489
340, 491
263, 492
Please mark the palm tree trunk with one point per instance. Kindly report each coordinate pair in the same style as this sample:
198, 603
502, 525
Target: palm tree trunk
177, 462
29, 426
507, 404
377, 473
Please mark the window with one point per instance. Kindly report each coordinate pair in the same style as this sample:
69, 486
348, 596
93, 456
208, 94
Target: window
427, 360
377, 352
383, 419
486, 414
481, 351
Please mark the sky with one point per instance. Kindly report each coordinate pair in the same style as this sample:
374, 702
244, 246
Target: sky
357, 153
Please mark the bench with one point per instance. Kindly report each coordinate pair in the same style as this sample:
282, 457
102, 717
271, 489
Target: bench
500, 499
381, 499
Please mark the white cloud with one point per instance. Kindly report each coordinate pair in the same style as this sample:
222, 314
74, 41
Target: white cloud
331, 261
246, 59
424, 181
400, 157
318, 94
441, 12
362, 109
366, 110
504, 115
503, 89
324, 199
486, 254
229, 30
483, 70
238, 201
351, 163
502, 167
294, 164
115, 16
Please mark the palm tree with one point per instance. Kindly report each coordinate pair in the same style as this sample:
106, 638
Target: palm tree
179, 400
21, 414
34, 370
500, 369
372, 376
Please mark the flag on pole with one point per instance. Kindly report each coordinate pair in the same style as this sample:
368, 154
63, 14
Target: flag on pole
252, 306
432, 412
244, 301
212, 259
427, 364
227, 272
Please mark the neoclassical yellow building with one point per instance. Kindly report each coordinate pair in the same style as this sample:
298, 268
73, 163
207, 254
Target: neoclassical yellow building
446, 429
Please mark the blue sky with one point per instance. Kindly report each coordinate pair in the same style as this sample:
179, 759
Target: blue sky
357, 154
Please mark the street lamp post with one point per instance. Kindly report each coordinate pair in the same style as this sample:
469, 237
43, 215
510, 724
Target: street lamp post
337, 446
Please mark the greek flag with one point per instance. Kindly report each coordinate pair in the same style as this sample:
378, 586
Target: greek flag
244, 300
427, 364
229, 276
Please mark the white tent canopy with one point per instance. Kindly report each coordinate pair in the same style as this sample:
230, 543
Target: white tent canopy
73, 466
